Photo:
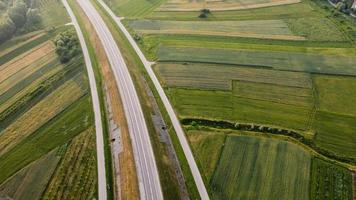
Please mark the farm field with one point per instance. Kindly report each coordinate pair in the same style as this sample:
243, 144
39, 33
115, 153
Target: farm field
315, 63
330, 181
75, 177
273, 29
46, 121
133, 8
261, 168
21, 185
191, 5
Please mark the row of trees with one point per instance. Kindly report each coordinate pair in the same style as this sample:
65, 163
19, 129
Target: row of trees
18, 17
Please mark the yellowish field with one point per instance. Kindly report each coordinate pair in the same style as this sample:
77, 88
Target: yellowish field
28, 88
271, 29
22, 74
220, 5
39, 115
25, 59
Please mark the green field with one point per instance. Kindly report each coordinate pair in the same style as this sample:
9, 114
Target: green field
30, 182
207, 148
336, 133
195, 5
274, 29
260, 168
329, 181
326, 64
133, 8
336, 94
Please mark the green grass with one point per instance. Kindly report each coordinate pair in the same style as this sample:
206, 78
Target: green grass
53, 13
133, 8
329, 181
299, 97
207, 148
220, 77
316, 28
275, 29
151, 43
30, 182
336, 133
336, 94
221, 105
57, 132
326, 64
261, 168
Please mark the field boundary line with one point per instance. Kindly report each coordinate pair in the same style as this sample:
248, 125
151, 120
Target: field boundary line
176, 124
102, 192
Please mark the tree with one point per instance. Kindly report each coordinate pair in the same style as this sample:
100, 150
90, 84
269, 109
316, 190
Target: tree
33, 20
204, 13
7, 29
17, 13
67, 45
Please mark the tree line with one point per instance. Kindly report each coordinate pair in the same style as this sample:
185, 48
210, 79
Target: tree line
18, 16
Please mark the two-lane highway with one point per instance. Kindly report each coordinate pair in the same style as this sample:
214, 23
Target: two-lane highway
148, 177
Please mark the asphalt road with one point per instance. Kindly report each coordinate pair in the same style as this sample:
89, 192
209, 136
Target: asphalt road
148, 177
176, 124
102, 193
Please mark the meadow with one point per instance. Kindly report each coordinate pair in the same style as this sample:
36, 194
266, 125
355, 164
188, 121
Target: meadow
133, 8
261, 168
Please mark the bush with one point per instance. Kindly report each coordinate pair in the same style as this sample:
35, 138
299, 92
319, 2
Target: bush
67, 45
204, 13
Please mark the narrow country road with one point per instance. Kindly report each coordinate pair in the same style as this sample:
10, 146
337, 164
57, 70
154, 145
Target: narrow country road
102, 193
176, 124
148, 177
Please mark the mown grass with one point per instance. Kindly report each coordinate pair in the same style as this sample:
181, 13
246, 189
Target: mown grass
336, 133
329, 181
30, 182
336, 94
261, 168
326, 64
61, 129
76, 175
207, 148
